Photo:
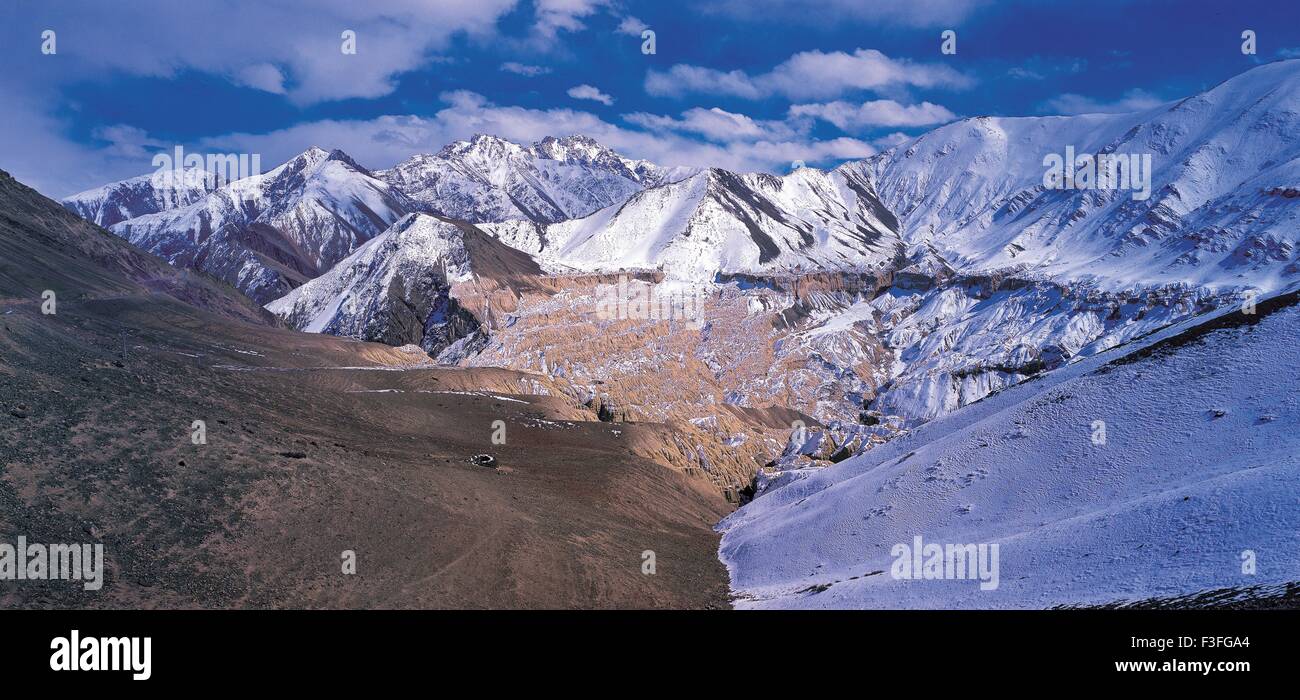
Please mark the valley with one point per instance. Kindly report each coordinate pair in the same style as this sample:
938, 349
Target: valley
315, 446
912, 344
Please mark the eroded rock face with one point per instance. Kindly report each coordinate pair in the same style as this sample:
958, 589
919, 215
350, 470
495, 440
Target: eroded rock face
883, 294
729, 370
858, 358
729, 380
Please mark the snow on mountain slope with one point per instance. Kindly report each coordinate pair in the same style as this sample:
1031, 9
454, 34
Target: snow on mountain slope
268, 233
1217, 213
1005, 278
1200, 462
719, 222
399, 287
147, 194
488, 179
956, 343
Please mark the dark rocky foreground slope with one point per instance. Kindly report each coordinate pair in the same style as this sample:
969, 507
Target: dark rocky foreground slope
315, 445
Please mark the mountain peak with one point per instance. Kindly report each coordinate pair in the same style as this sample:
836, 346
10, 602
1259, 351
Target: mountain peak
312, 156
482, 145
490, 179
575, 147
338, 155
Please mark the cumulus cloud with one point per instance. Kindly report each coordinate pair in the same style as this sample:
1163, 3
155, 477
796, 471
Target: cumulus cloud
291, 47
888, 141
555, 16
807, 75
524, 70
1070, 103
632, 26
875, 113
387, 140
589, 92
123, 141
262, 76
715, 124
36, 152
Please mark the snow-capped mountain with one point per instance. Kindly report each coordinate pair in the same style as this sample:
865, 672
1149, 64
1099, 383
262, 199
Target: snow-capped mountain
1144, 471
146, 194
1007, 278
987, 274
720, 222
1218, 213
400, 287
268, 233
487, 179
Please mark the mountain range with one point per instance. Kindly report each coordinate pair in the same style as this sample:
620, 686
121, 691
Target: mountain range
985, 272
954, 294
490, 179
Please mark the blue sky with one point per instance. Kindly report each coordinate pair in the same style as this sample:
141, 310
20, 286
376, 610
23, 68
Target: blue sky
742, 84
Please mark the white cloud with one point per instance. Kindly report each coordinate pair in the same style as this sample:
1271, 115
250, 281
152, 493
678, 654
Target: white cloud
888, 141
384, 141
715, 124
125, 141
262, 76
555, 16
37, 153
1070, 103
632, 26
589, 92
876, 113
807, 75
289, 46
524, 70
